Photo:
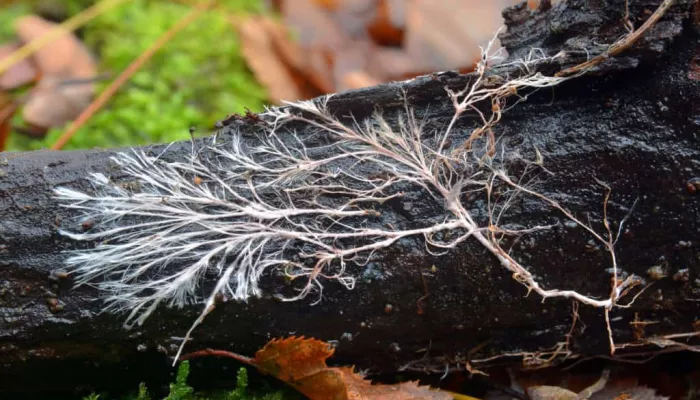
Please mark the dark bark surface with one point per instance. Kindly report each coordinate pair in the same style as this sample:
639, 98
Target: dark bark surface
635, 126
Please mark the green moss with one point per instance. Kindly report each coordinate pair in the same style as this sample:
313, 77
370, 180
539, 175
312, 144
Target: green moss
180, 390
197, 78
8, 14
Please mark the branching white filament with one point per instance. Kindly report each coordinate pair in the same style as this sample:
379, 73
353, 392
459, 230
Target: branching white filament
306, 205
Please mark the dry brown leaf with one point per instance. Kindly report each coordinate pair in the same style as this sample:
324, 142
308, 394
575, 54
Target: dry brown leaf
313, 26
66, 56
58, 98
447, 34
289, 50
19, 74
308, 82
293, 358
263, 60
320, 34
620, 389
550, 393
406, 39
432, 35
301, 363
360, 389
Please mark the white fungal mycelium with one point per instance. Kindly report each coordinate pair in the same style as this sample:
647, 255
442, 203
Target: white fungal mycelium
306, 205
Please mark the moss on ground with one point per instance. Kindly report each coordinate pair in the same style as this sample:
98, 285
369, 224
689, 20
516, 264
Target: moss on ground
180, 390
194, 80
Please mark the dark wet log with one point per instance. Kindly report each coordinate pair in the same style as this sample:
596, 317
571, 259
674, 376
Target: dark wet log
634, 125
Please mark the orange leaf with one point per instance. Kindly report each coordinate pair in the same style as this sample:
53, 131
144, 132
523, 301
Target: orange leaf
293, 358
302, 364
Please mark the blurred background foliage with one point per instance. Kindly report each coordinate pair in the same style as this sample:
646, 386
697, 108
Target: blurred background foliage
197, 78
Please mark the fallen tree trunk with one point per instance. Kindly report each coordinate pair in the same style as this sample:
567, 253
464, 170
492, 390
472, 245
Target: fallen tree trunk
412, 305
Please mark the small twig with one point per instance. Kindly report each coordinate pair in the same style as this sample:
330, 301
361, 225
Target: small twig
575, 317
196, 323
468, 366
681, 335
218, 353
634, 298
621, 45
611, 341
628, 358
135, 65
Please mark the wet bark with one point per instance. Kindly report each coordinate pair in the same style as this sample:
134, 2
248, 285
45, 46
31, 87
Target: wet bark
634, 125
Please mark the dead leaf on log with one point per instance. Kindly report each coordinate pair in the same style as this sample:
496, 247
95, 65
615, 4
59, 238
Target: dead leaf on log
67, 70
301, 363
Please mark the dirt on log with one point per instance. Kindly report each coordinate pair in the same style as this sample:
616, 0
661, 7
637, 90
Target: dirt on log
633, 123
